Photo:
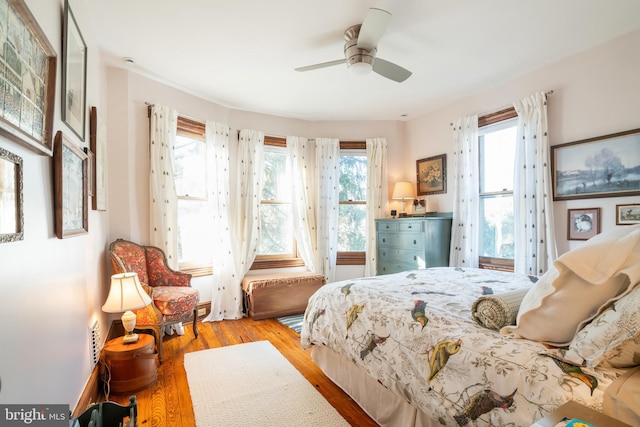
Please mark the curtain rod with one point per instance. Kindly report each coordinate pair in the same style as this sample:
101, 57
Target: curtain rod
550, 92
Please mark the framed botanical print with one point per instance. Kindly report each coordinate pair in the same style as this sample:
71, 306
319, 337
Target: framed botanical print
431, 175
98, 146
70, 184
27, 78
74, 75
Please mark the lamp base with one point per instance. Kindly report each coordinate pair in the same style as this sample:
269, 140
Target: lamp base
130, 338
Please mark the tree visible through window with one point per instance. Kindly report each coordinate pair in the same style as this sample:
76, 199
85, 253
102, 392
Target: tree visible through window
497, 144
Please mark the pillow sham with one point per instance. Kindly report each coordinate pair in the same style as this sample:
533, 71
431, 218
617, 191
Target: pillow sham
613, 336
497, 311
580, 285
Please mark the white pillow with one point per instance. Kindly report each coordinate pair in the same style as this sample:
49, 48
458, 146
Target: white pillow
580, 285
613, 336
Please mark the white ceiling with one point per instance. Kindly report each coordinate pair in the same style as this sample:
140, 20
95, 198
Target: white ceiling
242, 53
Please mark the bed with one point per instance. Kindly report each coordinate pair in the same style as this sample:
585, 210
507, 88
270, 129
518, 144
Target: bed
407, 348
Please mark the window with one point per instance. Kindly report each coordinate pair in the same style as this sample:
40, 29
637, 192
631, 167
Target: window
497, 143
352, 213
194, 208
277, 246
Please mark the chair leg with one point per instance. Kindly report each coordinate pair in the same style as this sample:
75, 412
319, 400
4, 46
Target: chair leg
195, 319
160, 357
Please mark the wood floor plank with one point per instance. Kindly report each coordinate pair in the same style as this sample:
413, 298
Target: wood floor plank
167, 403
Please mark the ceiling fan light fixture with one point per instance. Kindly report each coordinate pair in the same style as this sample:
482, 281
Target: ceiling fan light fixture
361, 68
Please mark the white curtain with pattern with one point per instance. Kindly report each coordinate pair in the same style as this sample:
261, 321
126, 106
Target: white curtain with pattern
248, 194
377, 197
465, 229
162, 189
226, 293
304, 210
328, 176
535, 243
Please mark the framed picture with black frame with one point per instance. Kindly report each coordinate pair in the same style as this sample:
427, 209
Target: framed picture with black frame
74, 75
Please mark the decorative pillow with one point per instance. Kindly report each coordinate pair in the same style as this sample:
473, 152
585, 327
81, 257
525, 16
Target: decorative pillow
580, 285
613, 336
496, 311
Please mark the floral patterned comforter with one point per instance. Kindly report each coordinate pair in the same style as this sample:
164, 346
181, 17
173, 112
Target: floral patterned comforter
413, 332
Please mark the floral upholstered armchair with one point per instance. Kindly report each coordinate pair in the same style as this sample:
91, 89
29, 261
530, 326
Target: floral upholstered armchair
174, 300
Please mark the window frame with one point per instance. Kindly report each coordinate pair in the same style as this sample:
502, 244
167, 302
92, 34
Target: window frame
352, 257
492, 263
263, 262
193, 129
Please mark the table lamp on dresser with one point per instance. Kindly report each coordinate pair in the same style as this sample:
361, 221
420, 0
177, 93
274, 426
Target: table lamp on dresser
403, 191
126, 294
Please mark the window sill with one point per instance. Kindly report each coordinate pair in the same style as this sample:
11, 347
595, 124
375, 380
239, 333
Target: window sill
500, 264
351, 258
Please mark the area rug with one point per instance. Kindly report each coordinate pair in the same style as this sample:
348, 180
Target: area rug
294, 322
253, 384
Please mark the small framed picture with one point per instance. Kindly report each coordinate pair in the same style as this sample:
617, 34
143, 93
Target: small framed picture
628, 214
419, 207
583, 224
70, 165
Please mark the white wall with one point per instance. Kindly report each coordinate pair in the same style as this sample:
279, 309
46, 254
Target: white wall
595, 93
52, 289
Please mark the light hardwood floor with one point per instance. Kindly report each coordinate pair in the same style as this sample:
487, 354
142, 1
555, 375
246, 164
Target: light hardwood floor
168, 403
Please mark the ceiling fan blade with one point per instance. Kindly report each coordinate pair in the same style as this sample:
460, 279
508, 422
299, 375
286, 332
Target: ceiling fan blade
374, 25
390, 70
321, 65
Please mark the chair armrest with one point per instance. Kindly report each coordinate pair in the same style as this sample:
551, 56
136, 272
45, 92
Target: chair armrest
160, 274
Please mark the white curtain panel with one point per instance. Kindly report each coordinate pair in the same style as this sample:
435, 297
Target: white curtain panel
328, 176
248, 195
535, 243
163, 198
465, 228
226, 293
304, 195
377, 196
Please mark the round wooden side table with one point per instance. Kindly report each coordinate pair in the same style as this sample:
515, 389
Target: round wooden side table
130, 367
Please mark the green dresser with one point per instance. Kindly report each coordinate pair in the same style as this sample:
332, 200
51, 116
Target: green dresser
412, 243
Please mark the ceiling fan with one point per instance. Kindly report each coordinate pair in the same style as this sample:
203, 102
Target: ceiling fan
361, 47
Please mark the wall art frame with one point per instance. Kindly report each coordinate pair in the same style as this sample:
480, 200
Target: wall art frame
431, 175
98, 145
70, 184
11, 198
583, 224
604, 166
28, 79
74, 75
628, 214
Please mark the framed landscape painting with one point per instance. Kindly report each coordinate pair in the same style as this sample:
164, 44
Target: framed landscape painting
605, 166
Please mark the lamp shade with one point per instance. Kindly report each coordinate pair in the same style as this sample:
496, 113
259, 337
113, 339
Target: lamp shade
126, 293
403, 190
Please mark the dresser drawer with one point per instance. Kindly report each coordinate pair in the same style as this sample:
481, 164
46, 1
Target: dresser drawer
401, 240
411, 225
413, 259
392, 267
391, 226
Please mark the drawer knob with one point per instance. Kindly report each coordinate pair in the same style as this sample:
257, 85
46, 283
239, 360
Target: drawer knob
384, 240
415, 258
384, 254
409, 226
415, 242
387, 226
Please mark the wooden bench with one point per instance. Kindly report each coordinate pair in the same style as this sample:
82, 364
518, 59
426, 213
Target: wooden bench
280, 294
